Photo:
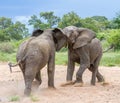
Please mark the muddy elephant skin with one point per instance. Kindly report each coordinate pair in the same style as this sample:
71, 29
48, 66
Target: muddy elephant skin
85, 49
39, 50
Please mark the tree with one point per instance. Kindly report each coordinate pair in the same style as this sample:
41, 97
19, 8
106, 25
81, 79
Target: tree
5, 22
103, 22
114, 38
50, 18
100, 18
44, 21
90, 23
116, 21
18, 31
12, 31
70, 19
35, 21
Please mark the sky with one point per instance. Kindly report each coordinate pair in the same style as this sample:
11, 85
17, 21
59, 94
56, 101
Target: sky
21, 10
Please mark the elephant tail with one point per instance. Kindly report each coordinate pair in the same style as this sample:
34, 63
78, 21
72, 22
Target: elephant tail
13, 65
111, 47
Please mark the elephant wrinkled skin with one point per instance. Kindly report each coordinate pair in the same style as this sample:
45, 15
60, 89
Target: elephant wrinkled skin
85, 49
34, 53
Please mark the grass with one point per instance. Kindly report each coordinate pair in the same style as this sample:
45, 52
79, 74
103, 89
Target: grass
61, 58
108, 59
111, 59
14, 98
34, 98
5, 57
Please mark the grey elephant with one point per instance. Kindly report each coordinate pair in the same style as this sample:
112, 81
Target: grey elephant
85, 49
36, 52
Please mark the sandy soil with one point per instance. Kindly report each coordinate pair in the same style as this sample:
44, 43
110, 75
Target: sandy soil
12, 84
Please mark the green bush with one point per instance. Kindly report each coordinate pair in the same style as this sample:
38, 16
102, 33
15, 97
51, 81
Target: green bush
101, 36
111, 59
6, 47
114, 38
110, 37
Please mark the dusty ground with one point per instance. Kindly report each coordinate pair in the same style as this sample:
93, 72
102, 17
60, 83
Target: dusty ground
12, 84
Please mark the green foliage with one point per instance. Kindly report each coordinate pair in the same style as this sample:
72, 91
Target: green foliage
6, 47
111, 37
111, 59
100, 18
35, 22
91, 24
5, 22
12, 31
116, 21
44, 21
101, 36
4, 35
102, 22
96, 23
50, 18
17, 43
70, 19
5, 57
114, 38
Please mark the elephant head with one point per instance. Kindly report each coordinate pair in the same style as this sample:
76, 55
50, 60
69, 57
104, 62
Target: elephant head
60, 38
78, 36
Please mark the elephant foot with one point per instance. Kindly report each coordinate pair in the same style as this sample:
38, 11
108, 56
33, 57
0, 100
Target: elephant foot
78, 84
93, 83
27, 92
67, 83
51, 88
101, 80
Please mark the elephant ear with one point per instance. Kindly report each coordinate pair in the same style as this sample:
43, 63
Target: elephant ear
57, 34
37, 32
59, 38
85, 36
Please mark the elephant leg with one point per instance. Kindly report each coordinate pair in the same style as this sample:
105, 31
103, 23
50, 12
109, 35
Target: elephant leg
38, 77
70, 70
29, 77
80, 73
98, 75
95, 72
50, 71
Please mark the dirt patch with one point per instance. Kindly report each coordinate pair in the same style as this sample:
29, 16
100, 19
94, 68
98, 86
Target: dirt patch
12, 84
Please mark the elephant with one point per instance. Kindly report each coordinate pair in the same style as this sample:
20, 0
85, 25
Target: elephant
85, 49
34, 53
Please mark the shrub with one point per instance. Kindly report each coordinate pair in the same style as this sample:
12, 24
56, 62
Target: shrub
114, 38
6, 47
110, 37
